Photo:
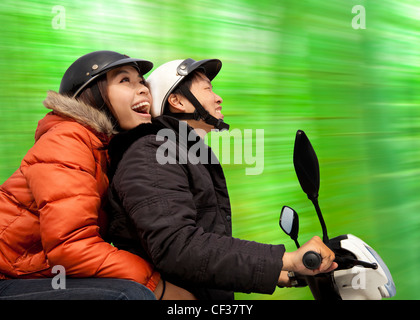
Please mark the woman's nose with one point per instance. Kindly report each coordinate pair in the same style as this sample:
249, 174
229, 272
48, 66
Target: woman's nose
143, 89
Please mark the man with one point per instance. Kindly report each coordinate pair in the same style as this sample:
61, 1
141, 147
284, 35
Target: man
176, 213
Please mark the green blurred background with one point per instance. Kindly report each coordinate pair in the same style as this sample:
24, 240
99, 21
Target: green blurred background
287, 65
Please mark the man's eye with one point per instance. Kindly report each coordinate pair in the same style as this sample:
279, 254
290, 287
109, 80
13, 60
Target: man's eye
125, 79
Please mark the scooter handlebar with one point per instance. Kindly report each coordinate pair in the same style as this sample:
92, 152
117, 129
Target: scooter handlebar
311, 260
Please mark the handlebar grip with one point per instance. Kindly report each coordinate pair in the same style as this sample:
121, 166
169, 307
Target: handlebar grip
311, 260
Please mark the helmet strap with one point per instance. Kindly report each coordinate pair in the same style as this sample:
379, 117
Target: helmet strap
183, 116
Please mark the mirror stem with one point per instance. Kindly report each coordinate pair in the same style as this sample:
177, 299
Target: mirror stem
325, 238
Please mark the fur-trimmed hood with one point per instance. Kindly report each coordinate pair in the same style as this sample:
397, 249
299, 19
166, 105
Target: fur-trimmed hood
82, 113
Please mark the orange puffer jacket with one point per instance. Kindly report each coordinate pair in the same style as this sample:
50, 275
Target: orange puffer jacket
50, 208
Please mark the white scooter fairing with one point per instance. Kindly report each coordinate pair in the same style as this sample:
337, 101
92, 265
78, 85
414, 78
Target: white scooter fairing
358, 282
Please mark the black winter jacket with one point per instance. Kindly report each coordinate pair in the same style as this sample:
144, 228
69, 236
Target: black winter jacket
177, 215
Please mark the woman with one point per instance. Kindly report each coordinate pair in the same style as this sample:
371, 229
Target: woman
51, 207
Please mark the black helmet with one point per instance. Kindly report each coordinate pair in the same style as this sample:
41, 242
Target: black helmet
90, 66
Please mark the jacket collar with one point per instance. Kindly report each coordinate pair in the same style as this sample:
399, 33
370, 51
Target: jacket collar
123, 140
82, 113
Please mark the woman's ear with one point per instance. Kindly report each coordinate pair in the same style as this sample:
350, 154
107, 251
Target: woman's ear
176, 103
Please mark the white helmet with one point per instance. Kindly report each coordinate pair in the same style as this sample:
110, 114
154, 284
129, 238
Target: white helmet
163, 81
359, 283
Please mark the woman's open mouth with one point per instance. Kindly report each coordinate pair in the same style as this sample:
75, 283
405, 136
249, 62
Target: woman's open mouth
141, 107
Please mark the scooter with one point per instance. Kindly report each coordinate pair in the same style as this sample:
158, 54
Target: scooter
361, 273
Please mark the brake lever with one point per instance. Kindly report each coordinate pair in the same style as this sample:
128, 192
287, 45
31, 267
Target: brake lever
347, 263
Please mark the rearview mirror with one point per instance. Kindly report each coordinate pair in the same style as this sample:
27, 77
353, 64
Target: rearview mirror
306, 165
307, 170
289, 223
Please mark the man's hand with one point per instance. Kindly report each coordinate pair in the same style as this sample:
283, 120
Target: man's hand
292, 261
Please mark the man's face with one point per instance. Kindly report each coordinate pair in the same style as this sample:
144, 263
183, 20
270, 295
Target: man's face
202, 89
